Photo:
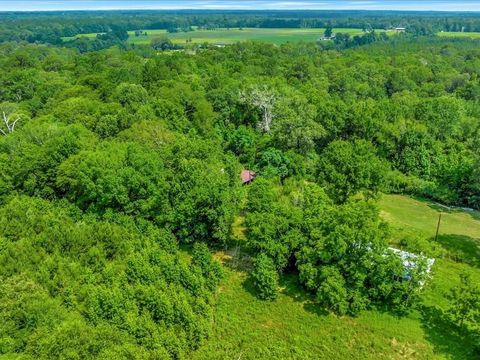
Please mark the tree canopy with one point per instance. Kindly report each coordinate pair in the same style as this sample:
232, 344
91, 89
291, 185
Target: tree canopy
120, 172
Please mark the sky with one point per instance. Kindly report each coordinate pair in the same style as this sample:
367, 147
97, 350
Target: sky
45, 5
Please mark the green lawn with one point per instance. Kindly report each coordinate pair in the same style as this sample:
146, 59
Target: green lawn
471, 35
459, 237
230, 36
292, 327
459, 232
411, 215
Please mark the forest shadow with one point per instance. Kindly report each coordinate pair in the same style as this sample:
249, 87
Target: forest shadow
290, 286
249, 287
461, 248
315, 309
445, 336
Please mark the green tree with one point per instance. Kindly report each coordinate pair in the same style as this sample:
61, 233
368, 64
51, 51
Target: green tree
274, 163
265, 277
328, 31
131, 96
294, 126
161, 44
210, 269
344, 260
127, 177
242, 141
204, 199
331, 292
465, 299
275, 232
413, 155
36, 151
443, 115
347, 168
470, 189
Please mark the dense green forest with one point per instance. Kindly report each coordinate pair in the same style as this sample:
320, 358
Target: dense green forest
120, 174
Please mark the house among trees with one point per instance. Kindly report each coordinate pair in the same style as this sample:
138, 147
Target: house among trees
400, 29
247, 176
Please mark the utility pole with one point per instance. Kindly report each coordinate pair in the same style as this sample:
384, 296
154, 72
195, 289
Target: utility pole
438, 226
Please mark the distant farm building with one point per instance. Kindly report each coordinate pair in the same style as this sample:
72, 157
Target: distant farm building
326, 38
247, 176
400, 29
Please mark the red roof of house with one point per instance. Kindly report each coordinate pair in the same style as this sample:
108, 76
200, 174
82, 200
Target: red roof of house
247, 176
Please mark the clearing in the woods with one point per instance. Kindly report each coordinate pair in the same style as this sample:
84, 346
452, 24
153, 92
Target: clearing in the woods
292, 327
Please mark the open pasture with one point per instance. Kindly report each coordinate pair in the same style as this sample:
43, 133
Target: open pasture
458, 34
230, 36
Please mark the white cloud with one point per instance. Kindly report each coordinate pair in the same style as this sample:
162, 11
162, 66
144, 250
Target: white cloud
463, 5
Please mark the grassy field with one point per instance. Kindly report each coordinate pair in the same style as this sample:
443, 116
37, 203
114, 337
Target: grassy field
230, 36
411, 215
293, 328
233, 35
471, 35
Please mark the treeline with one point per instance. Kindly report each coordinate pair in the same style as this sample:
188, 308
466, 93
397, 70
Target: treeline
50, 27
345, 41
114, 37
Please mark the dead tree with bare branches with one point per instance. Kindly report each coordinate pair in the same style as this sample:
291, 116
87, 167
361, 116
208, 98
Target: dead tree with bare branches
9, 124
263, 99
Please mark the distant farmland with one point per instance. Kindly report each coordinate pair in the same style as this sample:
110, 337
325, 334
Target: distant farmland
471, 35
229, 36
233, 35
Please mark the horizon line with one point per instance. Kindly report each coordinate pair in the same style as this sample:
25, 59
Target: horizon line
238, 10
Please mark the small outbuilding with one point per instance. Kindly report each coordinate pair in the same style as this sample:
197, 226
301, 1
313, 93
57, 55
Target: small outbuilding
247, 176
411, 262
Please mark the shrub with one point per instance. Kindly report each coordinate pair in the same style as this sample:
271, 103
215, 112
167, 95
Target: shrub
265, 278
